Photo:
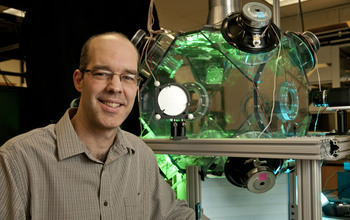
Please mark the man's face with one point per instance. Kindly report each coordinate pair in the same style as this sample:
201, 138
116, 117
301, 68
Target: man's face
105, 103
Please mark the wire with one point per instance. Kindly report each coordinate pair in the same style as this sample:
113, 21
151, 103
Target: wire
330, 177
145, 52
253, 80
318, 73
150, 22
297, 24
317, 117
274, 83
301, 16
267, 26
319, 84
339, 189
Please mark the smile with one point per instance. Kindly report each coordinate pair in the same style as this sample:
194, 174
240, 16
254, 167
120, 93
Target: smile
111, 104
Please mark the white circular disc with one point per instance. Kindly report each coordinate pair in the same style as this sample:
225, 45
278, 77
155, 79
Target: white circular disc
172, 100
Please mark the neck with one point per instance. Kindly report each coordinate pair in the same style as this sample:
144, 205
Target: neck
96, 141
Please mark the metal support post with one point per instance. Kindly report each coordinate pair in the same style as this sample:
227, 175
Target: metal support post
194, 193
309, 189
293, 198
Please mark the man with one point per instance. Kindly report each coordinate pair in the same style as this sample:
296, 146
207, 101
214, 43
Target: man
85, 166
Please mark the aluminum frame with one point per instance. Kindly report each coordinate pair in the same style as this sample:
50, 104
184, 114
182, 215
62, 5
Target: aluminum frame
307, 151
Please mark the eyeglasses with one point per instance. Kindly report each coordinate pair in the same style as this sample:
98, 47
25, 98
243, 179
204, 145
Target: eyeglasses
127, 79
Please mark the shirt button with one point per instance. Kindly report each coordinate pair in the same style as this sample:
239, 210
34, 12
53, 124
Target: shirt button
105, 203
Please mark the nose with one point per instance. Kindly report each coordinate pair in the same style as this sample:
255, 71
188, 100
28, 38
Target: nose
115, 84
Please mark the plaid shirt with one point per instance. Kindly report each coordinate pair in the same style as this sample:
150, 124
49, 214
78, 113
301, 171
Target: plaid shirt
47, 173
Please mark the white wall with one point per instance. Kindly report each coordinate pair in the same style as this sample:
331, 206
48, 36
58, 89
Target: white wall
223, 201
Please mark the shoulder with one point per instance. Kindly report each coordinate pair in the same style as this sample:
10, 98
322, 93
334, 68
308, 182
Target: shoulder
133, 139
33, 139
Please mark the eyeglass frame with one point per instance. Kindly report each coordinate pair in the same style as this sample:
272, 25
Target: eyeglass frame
111, 74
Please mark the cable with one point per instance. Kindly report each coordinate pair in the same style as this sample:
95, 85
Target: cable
318, 114
297, 24
319, 84
217, 46
254, 79
267, 26
318, 73
145, 53
301, 16
339, 189
274, 84
150, 22
330, 177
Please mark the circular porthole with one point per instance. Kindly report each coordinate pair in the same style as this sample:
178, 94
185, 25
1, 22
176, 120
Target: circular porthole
289, 101
199, 99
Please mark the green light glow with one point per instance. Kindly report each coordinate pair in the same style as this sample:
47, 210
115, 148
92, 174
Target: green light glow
211, 129
172, 174
214, 75
228, 75
180, 186
171, 65
196, 44
150, 132
166, 166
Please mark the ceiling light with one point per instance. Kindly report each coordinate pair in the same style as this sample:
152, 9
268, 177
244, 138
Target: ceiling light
285, 2
15, 12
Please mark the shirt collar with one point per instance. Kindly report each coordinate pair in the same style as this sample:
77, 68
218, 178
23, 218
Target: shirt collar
68, 142
121, 140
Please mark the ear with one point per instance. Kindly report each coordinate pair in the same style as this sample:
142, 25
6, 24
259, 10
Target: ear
78, 79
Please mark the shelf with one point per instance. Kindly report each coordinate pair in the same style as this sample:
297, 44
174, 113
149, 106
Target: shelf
309, 148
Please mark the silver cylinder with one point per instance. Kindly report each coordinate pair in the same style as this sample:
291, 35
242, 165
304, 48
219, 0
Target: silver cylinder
219, 9
276, 13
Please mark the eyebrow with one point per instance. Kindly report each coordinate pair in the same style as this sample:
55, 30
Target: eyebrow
107, 68
101, 67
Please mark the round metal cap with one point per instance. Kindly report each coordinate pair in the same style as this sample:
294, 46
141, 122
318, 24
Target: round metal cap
256, 15
260, 180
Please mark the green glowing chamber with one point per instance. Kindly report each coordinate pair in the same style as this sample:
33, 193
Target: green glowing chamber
233, 93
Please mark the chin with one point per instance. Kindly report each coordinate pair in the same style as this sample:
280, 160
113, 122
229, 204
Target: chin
112, 122
112, 125
108, 124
